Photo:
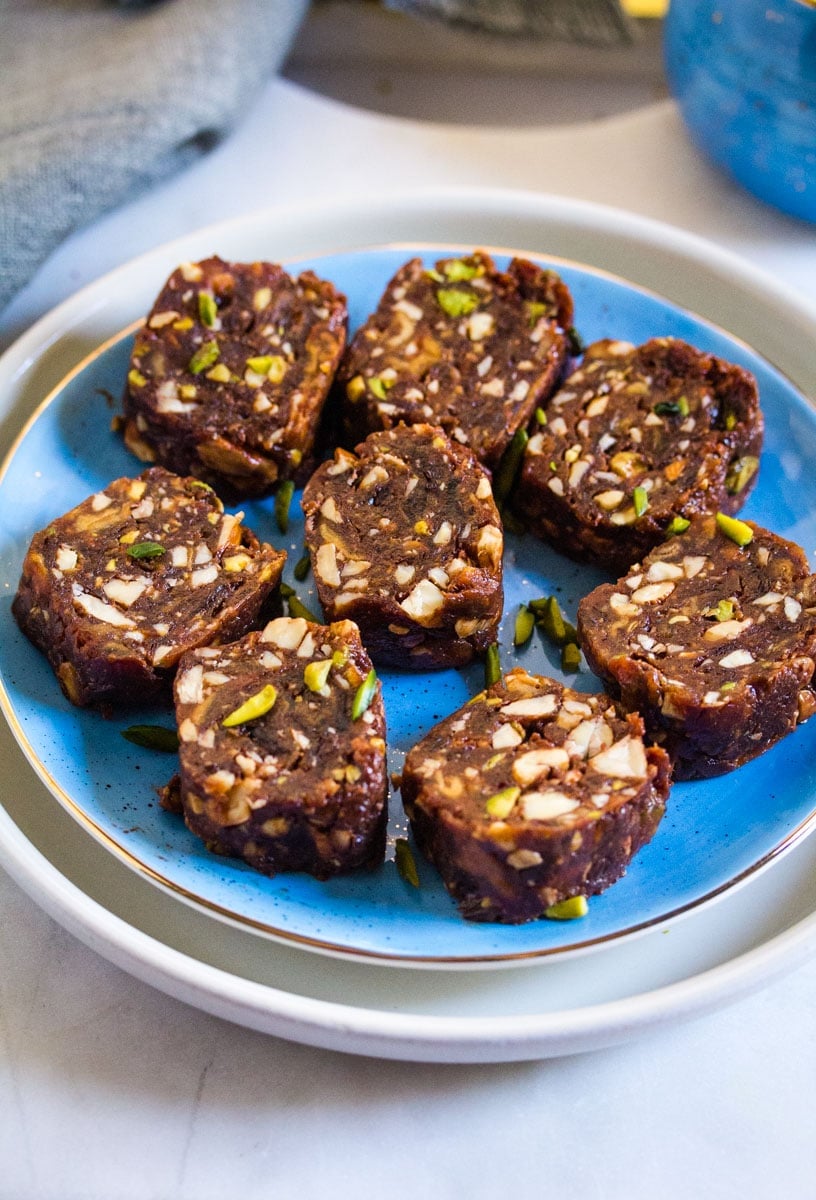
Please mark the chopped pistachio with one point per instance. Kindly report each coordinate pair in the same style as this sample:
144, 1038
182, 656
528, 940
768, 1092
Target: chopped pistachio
730, 421
640, 500
723, 610
302, 568
256, 706
728, 687
740, 473
152, 737
677, 525
456, 303
567, 910
364, 695
340, 657
136, 379
509, 466
494, 758
492, 665
435, 275
405, 864
550, 618
146, 550
205, 356
283, 501
525, 623
315, 674
734, 529
672, 408
577, 344
540, 416
260, 363
207, 309
458, 269
535, 309
296, 606
501, 804
220, 373
183, 324
571, 658
355, 388
379, 386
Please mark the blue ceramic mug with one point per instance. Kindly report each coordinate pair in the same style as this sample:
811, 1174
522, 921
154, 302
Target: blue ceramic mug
744, 75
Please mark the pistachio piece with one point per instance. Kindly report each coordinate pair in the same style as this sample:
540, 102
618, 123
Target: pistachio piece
364, 695
256, 706
455, 302
315, 674
676, 526
207, 309
525, 623
501, 804
205, 356
405, 863
492, 665
152, 737
509, 466
301, 568
567, 910
740, 473
640, 500
458, 269
283, 501
734, 529
141, 550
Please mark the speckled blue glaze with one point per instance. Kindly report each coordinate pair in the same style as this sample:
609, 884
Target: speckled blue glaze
744, 75
712, 834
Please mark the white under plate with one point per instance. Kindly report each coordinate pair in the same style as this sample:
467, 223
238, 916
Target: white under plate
545, 1009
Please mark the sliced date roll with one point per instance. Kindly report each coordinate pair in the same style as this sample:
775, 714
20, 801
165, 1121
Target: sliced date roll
634, 438
117, 589
531, 794
406, 540
463, 346
230, 372
712, 641
282, 749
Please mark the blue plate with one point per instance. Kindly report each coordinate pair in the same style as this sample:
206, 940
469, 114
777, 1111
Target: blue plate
715, 833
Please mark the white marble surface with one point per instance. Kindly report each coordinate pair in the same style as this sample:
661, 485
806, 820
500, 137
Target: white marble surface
110, 1090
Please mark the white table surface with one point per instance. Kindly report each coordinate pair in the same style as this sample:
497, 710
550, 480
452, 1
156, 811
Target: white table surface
110, 1090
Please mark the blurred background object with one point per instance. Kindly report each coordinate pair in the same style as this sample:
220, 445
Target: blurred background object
744, 75
411, 64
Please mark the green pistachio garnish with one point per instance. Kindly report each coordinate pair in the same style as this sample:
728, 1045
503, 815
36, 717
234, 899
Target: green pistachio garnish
571, 658
501, 804
540, 416
672, 408
492, 665
677, 525
550, 618
152, 737
302, 568
315, 674
567, 910
207, 309
535, 309
379, 386
509, 466
364, 695
297, 608
256, 706
404, 861
577, 344
494, 758
355, 388
723, 610
640, 499
205, 356
145, 550
455, 303
436, 276
730, 421
457, 270
728, 687
740, 473
525, 623
736, 530
283, 501
136, 379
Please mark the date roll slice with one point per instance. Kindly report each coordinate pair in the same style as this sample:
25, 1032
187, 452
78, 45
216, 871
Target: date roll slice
229, 375
464, 346
636, 437
531, 794
712, 638
406, 540
117, 589
282, 749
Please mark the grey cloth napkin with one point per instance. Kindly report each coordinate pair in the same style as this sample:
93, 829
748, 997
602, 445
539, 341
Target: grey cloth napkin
99, 100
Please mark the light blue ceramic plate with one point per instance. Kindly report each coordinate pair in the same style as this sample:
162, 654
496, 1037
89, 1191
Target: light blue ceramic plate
715, 833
